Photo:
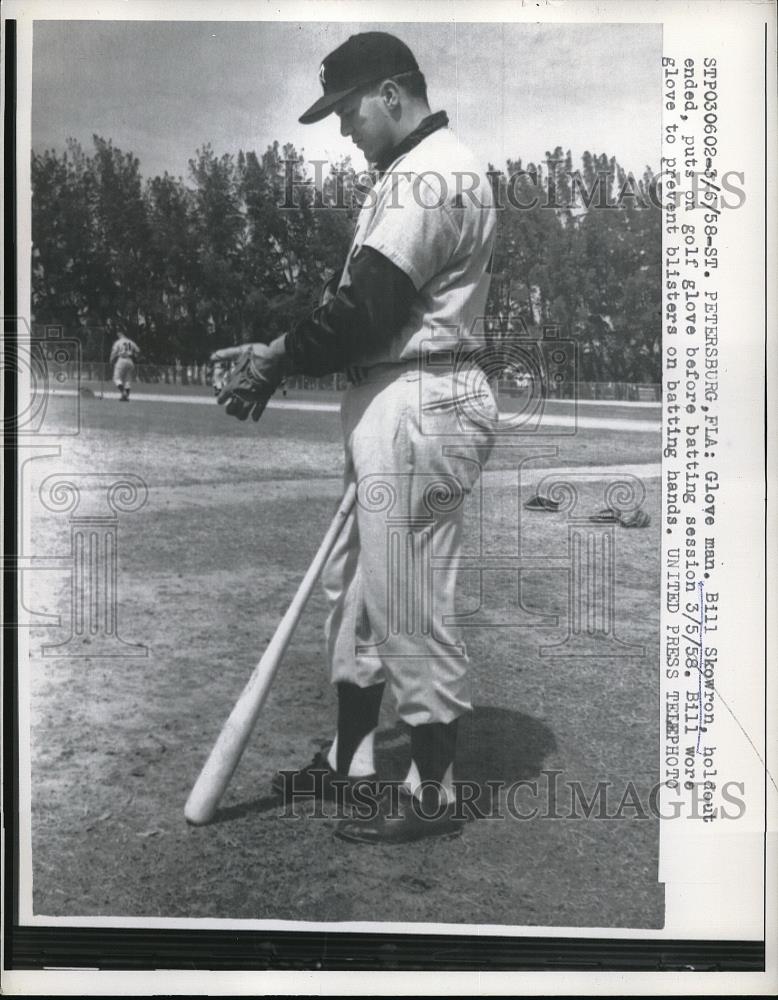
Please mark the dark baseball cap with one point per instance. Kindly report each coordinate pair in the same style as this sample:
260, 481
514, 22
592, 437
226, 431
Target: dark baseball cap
362, 59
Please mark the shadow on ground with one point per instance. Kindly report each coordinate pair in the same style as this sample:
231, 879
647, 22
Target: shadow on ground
494, 745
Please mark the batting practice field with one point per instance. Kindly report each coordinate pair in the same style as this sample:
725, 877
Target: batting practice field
176, 538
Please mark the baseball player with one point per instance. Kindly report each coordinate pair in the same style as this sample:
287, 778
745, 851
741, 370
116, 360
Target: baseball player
400, 324
124, 354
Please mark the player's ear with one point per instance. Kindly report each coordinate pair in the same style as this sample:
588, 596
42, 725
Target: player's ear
389, 93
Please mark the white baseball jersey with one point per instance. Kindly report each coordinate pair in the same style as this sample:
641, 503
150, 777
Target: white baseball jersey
432, 215
124, 348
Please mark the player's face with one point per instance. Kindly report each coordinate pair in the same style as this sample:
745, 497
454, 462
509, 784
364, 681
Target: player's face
365, 120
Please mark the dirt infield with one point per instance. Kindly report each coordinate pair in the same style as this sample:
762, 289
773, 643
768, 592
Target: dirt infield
206, 568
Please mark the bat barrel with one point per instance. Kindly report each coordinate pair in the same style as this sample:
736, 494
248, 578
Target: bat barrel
224, 758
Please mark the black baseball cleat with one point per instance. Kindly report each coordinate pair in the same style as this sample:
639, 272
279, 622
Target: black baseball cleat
401, 819
316, 781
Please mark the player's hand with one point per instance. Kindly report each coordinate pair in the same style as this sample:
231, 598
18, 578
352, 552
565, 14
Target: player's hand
329, 289
256, 374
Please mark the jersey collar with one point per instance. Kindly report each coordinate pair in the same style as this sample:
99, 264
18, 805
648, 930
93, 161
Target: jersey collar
425, 127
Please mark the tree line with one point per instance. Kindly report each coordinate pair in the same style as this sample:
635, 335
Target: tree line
239, 251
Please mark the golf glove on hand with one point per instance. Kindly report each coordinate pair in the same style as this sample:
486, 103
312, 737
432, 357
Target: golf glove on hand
255, 376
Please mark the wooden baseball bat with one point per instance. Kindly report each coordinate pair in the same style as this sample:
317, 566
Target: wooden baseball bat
220, 766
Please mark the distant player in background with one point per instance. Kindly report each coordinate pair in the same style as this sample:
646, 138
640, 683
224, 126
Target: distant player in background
124, 354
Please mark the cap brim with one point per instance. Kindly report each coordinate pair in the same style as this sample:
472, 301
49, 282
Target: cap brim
324, 106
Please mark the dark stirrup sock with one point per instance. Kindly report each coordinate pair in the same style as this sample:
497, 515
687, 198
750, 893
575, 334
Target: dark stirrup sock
358, 710
433, 747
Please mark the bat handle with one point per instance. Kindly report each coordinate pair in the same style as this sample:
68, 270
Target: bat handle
224, 758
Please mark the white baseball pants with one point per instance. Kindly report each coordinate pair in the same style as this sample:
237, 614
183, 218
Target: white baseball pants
123, 372
390, 581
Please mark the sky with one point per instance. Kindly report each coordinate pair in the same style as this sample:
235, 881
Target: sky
163, 89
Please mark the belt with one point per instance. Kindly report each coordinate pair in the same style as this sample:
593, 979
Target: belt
446, 361
359, 374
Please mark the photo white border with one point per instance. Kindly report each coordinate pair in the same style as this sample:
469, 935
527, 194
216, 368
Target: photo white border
687, 20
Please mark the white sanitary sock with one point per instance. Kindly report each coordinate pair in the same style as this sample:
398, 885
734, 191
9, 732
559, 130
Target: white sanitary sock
362, 763
413, 782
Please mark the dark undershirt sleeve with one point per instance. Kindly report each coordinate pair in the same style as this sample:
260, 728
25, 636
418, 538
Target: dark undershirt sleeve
364, 314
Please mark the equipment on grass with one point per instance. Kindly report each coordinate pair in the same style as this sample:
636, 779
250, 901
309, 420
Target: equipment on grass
539, 502
220, 766
626, 519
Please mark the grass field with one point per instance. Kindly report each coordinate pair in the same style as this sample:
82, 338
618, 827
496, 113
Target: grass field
206, 569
